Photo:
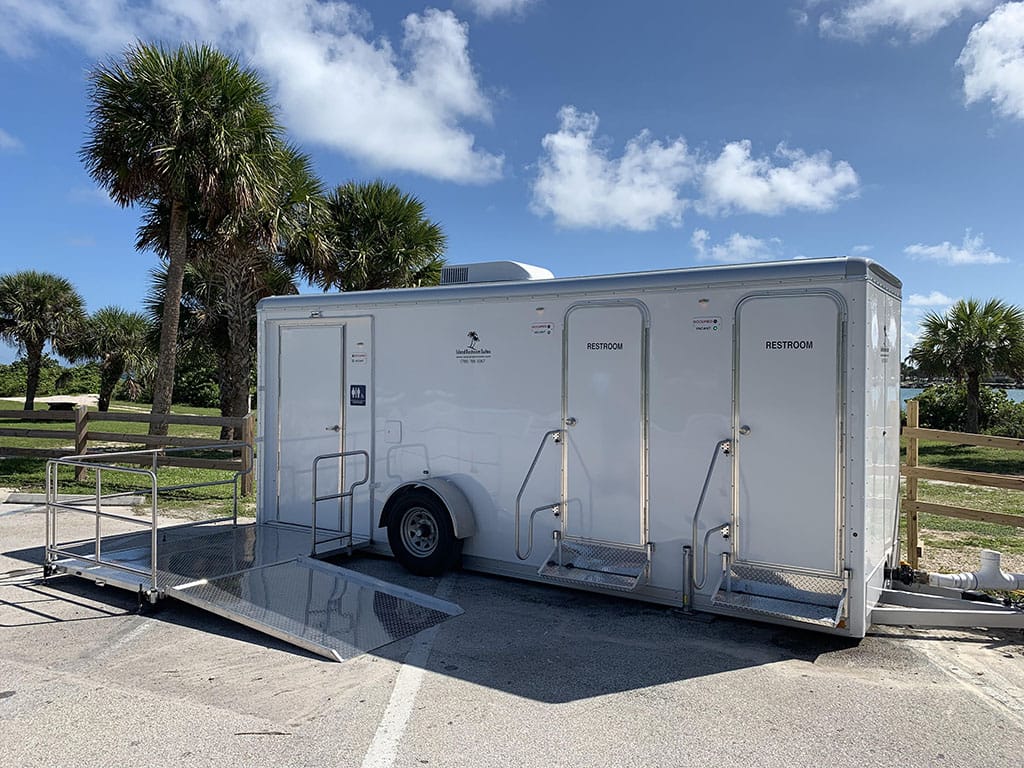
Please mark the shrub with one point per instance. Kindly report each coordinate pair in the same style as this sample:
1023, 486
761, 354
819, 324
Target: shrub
944, 406
14, 377
1008, 420
80, 379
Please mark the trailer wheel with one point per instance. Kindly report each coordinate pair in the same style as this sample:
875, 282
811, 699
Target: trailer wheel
421, 535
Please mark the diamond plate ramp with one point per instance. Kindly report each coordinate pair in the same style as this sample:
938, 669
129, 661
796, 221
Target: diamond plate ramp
324, 609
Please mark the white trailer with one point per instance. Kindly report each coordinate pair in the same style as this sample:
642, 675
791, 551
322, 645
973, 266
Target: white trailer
721, 438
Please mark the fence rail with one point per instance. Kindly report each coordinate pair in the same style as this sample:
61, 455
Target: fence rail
913, 471
81, 435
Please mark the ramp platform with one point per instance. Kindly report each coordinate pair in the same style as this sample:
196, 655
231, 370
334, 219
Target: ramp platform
261, 576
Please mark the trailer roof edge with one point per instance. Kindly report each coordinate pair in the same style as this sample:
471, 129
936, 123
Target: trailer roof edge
848, 267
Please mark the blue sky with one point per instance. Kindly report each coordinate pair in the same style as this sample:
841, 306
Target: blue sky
586, 137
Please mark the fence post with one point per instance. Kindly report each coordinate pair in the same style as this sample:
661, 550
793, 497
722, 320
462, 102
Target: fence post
248, 437
913, 542
81, 437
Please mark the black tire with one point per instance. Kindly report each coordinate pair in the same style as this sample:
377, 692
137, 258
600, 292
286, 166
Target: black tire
421, 535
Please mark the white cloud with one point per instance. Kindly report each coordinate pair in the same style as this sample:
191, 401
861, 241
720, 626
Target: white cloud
972, 251
858, 250
8, 143
581, 186
736, 248
933, 299
337, 85
993, 61
736, 181
490, 8
920, 19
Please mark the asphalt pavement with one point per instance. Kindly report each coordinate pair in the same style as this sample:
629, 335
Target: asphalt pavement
529, 675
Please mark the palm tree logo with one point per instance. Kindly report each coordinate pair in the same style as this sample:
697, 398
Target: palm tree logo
473, 337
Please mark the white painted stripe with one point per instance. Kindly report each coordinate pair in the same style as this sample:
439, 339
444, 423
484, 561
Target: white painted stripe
129, 637
384, 748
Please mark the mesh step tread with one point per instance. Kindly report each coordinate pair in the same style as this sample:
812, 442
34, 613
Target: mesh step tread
614, 581
820, 589
602, 565
809, 613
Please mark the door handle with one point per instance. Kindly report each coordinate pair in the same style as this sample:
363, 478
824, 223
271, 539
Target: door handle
744, 430
571, 421
335, 428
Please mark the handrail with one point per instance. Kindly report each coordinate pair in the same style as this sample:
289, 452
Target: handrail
91, 462
557, 435
53, 551
349, 494
722, 446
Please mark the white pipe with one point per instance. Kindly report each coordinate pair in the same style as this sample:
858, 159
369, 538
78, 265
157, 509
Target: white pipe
988, 576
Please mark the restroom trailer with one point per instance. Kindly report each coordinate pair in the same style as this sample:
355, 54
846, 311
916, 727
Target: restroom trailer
721, 439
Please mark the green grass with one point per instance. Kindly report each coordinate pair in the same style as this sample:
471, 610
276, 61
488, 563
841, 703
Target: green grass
952, 533
27, 474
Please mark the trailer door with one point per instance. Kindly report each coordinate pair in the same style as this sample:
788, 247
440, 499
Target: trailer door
787, 432
310, 416
605, 418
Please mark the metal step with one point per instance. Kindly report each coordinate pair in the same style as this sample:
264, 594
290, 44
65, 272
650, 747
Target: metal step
608, 566
809, 613
776, 593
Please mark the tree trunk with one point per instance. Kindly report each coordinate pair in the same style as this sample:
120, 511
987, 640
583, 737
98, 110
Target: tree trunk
163, 382
973, 402
34, 358
235, 395
109, 376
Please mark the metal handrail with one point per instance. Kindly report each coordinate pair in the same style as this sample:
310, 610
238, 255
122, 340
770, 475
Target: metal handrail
557, 435
349, 494
91, 462
722, 446
84, 460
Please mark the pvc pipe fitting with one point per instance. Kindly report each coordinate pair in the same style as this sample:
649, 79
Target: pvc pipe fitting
989, 576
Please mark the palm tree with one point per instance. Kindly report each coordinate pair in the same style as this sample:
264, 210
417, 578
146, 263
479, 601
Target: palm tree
119, 341
36, 308
971, 342
378, 237
238, 261
189, 129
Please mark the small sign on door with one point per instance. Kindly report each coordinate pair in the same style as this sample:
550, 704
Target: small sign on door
357, 394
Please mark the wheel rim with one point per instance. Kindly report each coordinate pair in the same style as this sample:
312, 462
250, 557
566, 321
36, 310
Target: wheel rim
419, 532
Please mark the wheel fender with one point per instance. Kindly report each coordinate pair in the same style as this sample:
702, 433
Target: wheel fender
454, 500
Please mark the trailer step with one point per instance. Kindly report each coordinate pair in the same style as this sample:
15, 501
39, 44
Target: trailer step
600, 565
781, 594
770, 607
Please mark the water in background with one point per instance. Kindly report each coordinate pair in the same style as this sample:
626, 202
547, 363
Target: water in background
1017, 395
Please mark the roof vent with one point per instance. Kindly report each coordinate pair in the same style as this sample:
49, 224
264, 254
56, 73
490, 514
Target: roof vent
492, 272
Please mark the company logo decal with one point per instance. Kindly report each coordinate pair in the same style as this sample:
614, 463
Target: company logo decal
474, 351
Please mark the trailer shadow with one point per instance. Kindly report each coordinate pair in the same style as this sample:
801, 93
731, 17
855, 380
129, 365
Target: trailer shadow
535, 641
558, 645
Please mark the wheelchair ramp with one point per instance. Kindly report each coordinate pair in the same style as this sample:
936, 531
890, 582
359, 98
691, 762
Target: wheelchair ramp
324, 609
261, 576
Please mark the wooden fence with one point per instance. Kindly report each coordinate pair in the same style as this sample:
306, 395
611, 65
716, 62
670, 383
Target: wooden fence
81, 433
913, 471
